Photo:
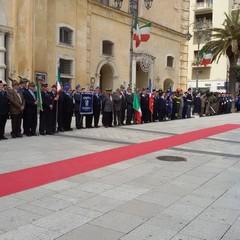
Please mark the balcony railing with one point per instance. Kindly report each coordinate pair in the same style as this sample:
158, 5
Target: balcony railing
203, 5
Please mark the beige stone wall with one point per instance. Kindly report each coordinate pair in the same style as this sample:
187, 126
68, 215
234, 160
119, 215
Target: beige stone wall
36, 48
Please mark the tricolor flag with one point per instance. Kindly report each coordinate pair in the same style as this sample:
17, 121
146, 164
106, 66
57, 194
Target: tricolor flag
137, 108
58, 80
141, 34
206, 57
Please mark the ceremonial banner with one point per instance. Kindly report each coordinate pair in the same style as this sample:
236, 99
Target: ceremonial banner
86, 103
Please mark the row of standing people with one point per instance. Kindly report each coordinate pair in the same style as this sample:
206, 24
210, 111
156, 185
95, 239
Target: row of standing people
116, 107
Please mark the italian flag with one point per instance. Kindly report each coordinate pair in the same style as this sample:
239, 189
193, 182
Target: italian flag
141, 34
137, 108
206, 57
58, 80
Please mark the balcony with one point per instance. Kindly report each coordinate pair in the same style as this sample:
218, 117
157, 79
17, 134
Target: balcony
203, 7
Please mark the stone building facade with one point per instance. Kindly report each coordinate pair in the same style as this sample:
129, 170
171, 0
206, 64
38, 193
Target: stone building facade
90, 41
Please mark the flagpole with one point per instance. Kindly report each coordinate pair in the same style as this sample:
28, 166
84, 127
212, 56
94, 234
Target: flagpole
56, 121
131, 49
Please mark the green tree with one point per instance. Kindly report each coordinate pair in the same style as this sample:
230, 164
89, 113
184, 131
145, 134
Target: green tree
226, 41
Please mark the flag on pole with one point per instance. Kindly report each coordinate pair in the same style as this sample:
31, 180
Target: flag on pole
141, 34
151, 97
136, 107
58, 80
206, 57
149, 86
39, 96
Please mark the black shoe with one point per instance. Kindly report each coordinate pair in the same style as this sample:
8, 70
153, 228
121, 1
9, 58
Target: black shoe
42, 133
33, 134
19, 135
28, 135
3, 138
96, 126
14, 136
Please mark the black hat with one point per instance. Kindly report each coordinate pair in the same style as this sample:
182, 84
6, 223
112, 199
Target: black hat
44, 85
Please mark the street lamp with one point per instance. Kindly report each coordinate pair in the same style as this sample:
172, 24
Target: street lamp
201, 29
133, 6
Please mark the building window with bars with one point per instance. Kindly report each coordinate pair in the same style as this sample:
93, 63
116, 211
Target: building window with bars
66, 66
66, 35
107, 48
170, 61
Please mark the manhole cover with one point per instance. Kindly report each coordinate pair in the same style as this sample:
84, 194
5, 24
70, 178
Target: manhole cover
172, 158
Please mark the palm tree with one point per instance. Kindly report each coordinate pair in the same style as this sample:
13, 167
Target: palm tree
226, 41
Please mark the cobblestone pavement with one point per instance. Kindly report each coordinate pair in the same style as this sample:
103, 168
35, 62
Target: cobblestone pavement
139, 199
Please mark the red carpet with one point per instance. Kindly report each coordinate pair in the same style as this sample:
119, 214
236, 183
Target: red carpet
17, 181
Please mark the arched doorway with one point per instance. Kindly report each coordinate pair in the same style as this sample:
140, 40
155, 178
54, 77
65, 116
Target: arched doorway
106, 77
167, 83
141, 77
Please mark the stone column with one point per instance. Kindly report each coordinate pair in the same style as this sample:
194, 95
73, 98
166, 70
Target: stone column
134, 68
9, 42
2, 56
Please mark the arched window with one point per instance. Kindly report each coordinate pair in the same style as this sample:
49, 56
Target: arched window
107, 48
170, 61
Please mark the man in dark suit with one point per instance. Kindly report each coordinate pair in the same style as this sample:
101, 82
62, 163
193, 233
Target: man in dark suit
96, 106
124, 104
17, 104
60, 110
30, 111
23, 87
144, 102
45, 126
67, 109
107, 107
4, 109
129, 100
54, 95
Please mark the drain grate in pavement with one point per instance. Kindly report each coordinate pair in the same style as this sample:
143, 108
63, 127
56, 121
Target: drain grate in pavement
172, 158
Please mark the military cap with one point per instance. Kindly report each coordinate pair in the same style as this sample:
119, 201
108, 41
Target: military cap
122, 87
97, 88
14, 83
24, 80
44, 85
32, 84
78, 86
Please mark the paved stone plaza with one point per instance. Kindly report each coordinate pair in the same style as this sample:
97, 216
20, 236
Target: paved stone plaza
138, 199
